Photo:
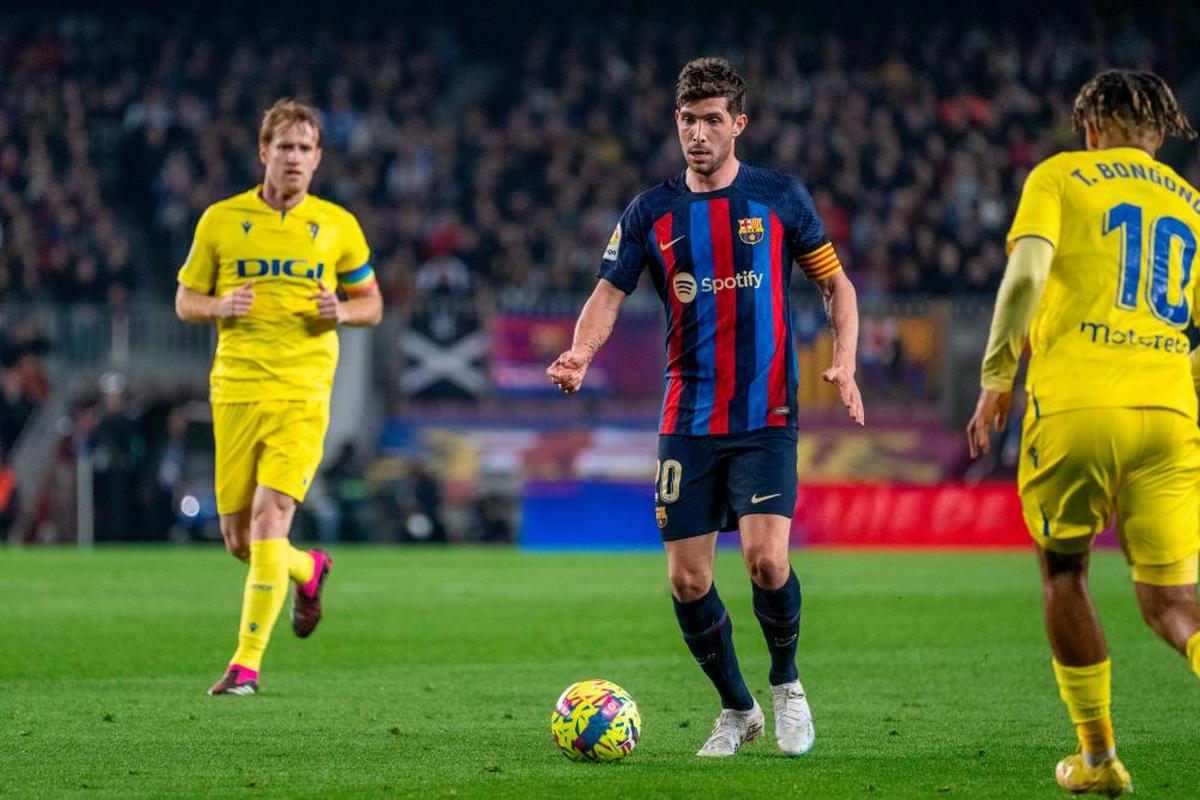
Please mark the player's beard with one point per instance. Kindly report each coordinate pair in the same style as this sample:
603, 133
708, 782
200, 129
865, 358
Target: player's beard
715, 163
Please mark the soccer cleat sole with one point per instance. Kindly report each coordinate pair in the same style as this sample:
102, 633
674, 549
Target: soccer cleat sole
238, 691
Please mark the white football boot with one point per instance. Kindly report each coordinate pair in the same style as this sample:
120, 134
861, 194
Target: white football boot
731, 730
793, 719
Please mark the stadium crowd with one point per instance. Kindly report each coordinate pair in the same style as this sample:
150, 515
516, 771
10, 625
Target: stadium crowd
474, 171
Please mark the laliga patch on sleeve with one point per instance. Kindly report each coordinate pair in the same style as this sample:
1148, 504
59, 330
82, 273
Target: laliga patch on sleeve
610, 253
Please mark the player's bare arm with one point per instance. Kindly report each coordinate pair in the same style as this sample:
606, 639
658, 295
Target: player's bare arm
198, 307
841, 308
362, 311
1020, 292
595, 324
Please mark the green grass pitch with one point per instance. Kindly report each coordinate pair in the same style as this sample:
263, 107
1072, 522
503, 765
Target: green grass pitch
434, 672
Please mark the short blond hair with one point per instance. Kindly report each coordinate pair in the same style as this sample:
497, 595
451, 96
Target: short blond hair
285, 113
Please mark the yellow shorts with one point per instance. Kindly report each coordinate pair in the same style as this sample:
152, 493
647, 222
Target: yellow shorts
1079, 468
277, 444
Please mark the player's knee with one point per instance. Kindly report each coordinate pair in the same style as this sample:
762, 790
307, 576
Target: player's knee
768, 570
238, 549
237, 541
689, 585
271, 515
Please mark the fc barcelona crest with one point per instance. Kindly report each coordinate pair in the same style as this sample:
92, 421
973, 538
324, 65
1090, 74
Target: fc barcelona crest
750, 230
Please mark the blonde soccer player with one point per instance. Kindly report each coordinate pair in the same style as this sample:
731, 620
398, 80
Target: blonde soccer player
1102, 276
277, 269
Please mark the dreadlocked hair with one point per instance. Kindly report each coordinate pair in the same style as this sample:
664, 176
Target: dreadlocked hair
1135, 103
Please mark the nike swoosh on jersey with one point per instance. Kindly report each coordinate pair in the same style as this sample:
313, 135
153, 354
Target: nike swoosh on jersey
755, 499
667, 246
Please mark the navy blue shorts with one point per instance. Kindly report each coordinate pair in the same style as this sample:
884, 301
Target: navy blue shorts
706, 483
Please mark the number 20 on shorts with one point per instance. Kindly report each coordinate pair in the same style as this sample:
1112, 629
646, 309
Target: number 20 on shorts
668, 475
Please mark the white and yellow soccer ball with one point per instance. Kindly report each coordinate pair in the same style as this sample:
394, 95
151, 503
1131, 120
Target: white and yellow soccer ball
595, 720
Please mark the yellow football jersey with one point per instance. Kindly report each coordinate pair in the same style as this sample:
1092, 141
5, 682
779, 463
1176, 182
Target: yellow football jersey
282, 349
1110, 329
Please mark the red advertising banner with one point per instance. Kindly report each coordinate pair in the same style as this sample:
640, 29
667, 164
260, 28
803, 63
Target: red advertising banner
909, 515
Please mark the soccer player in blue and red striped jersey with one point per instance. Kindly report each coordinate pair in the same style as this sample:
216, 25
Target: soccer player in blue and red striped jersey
719, 241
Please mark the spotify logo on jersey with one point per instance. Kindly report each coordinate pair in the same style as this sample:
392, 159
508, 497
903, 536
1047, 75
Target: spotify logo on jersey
685, 287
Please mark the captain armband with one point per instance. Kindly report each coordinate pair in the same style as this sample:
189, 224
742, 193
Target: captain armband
358, 281
820, 263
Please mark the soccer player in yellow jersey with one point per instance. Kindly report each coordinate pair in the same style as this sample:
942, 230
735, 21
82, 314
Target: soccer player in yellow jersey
1102, 276
277, 270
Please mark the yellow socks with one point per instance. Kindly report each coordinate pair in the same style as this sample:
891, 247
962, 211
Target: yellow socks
300, 565
1087, 691
1193, 653
266, 589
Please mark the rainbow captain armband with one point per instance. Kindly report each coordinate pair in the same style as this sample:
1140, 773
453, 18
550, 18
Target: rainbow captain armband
820, 263
357, 281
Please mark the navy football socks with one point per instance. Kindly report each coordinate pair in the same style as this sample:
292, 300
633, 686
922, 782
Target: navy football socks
708, 631
778, 612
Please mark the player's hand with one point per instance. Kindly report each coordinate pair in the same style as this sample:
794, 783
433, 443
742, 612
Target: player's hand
843, 379
237, 303
992, 409
328, 305
568, 370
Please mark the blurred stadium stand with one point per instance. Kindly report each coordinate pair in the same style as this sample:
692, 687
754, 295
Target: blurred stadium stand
488, 179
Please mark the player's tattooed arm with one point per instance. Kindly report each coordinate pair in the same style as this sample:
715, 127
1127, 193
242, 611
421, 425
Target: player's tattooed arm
595, 324
841, 309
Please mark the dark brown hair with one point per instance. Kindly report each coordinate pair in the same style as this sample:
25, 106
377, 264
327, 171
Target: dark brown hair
285, 113
1135, 103
702, 78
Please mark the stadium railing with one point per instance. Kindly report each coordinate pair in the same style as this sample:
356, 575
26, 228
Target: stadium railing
920, 351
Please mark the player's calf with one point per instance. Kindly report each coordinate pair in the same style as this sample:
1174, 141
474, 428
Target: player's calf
708, 632
1173, 613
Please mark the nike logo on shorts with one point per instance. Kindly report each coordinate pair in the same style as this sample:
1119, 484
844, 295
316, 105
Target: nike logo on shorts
755, 499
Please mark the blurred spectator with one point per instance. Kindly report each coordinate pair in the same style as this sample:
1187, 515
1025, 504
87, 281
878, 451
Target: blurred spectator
347, 487
15, 408
23, 383
8, 497
423, 516
493, 519
166, 460
117, 449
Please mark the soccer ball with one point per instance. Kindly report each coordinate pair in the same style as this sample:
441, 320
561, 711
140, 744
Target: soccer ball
595, 720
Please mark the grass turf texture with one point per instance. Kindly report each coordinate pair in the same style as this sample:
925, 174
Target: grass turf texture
434, 673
